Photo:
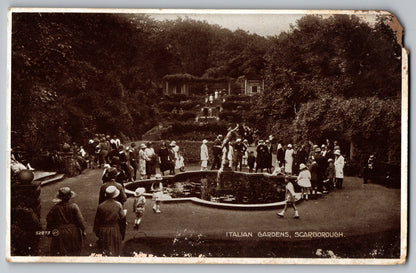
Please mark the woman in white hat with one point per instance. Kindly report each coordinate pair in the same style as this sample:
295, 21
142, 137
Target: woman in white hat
67, 225
339, 168
204, 155
289, 159
142, 160
110, 223
304, 180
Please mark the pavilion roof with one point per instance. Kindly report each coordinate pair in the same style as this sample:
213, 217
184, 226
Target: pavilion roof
185, 77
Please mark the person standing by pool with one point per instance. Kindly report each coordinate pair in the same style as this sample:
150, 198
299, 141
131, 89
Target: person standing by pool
339, 168
175, 148
204, 155
289, 159
172, 159
134, 159
239, 150
157, 188
66, 223
216, 152
150, 160
163, 154
251, 160
142, 161
290, 200
304, 180
280, 155
260, 157
330, 175
268, 156
313, 168
110, 223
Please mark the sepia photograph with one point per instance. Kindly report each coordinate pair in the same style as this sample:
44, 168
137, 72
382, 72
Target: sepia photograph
207, 136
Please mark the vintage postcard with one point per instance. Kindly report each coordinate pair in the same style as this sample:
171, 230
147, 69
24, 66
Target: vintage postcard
207, 136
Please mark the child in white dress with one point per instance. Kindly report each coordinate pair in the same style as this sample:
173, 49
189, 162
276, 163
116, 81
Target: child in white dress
304, 180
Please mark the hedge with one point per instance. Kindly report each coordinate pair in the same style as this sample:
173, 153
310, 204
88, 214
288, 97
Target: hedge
187, 115
232, 105
194, 131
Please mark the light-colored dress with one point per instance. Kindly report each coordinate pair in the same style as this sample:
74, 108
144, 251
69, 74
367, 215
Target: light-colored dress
339, 167
289, 160
177, 161
142, 162
290, 193
304, 179
204, 156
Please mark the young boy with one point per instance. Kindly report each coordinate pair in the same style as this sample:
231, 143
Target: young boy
250, 161
290, 200
138, 206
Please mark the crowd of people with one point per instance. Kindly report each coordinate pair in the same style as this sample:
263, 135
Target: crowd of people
318, 170
133, 161
324, 164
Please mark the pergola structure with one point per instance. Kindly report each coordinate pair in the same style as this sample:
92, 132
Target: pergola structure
188, 84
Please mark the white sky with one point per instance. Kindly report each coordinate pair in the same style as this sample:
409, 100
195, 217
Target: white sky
265, 24
261, 24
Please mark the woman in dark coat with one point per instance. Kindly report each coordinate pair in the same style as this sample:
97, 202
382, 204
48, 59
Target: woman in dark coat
164, 162
110, 223
66, 224
280, 155
261, 156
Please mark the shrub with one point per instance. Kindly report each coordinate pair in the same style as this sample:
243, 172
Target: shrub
238, 98
194, 131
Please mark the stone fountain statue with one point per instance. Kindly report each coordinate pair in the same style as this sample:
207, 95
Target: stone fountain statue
227, 154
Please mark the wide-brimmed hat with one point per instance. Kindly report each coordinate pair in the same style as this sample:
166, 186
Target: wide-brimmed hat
90, 141
115, 161
330, 160
204, 141
245, 141
142, 146
139, 191
111, 192
337, 152
289, 145
112, 173
64, 193
302, 166
238, 140
318, 150
158, 176
173, 143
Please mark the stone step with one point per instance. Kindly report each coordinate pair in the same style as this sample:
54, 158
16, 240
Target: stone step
40, 175
55, 178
